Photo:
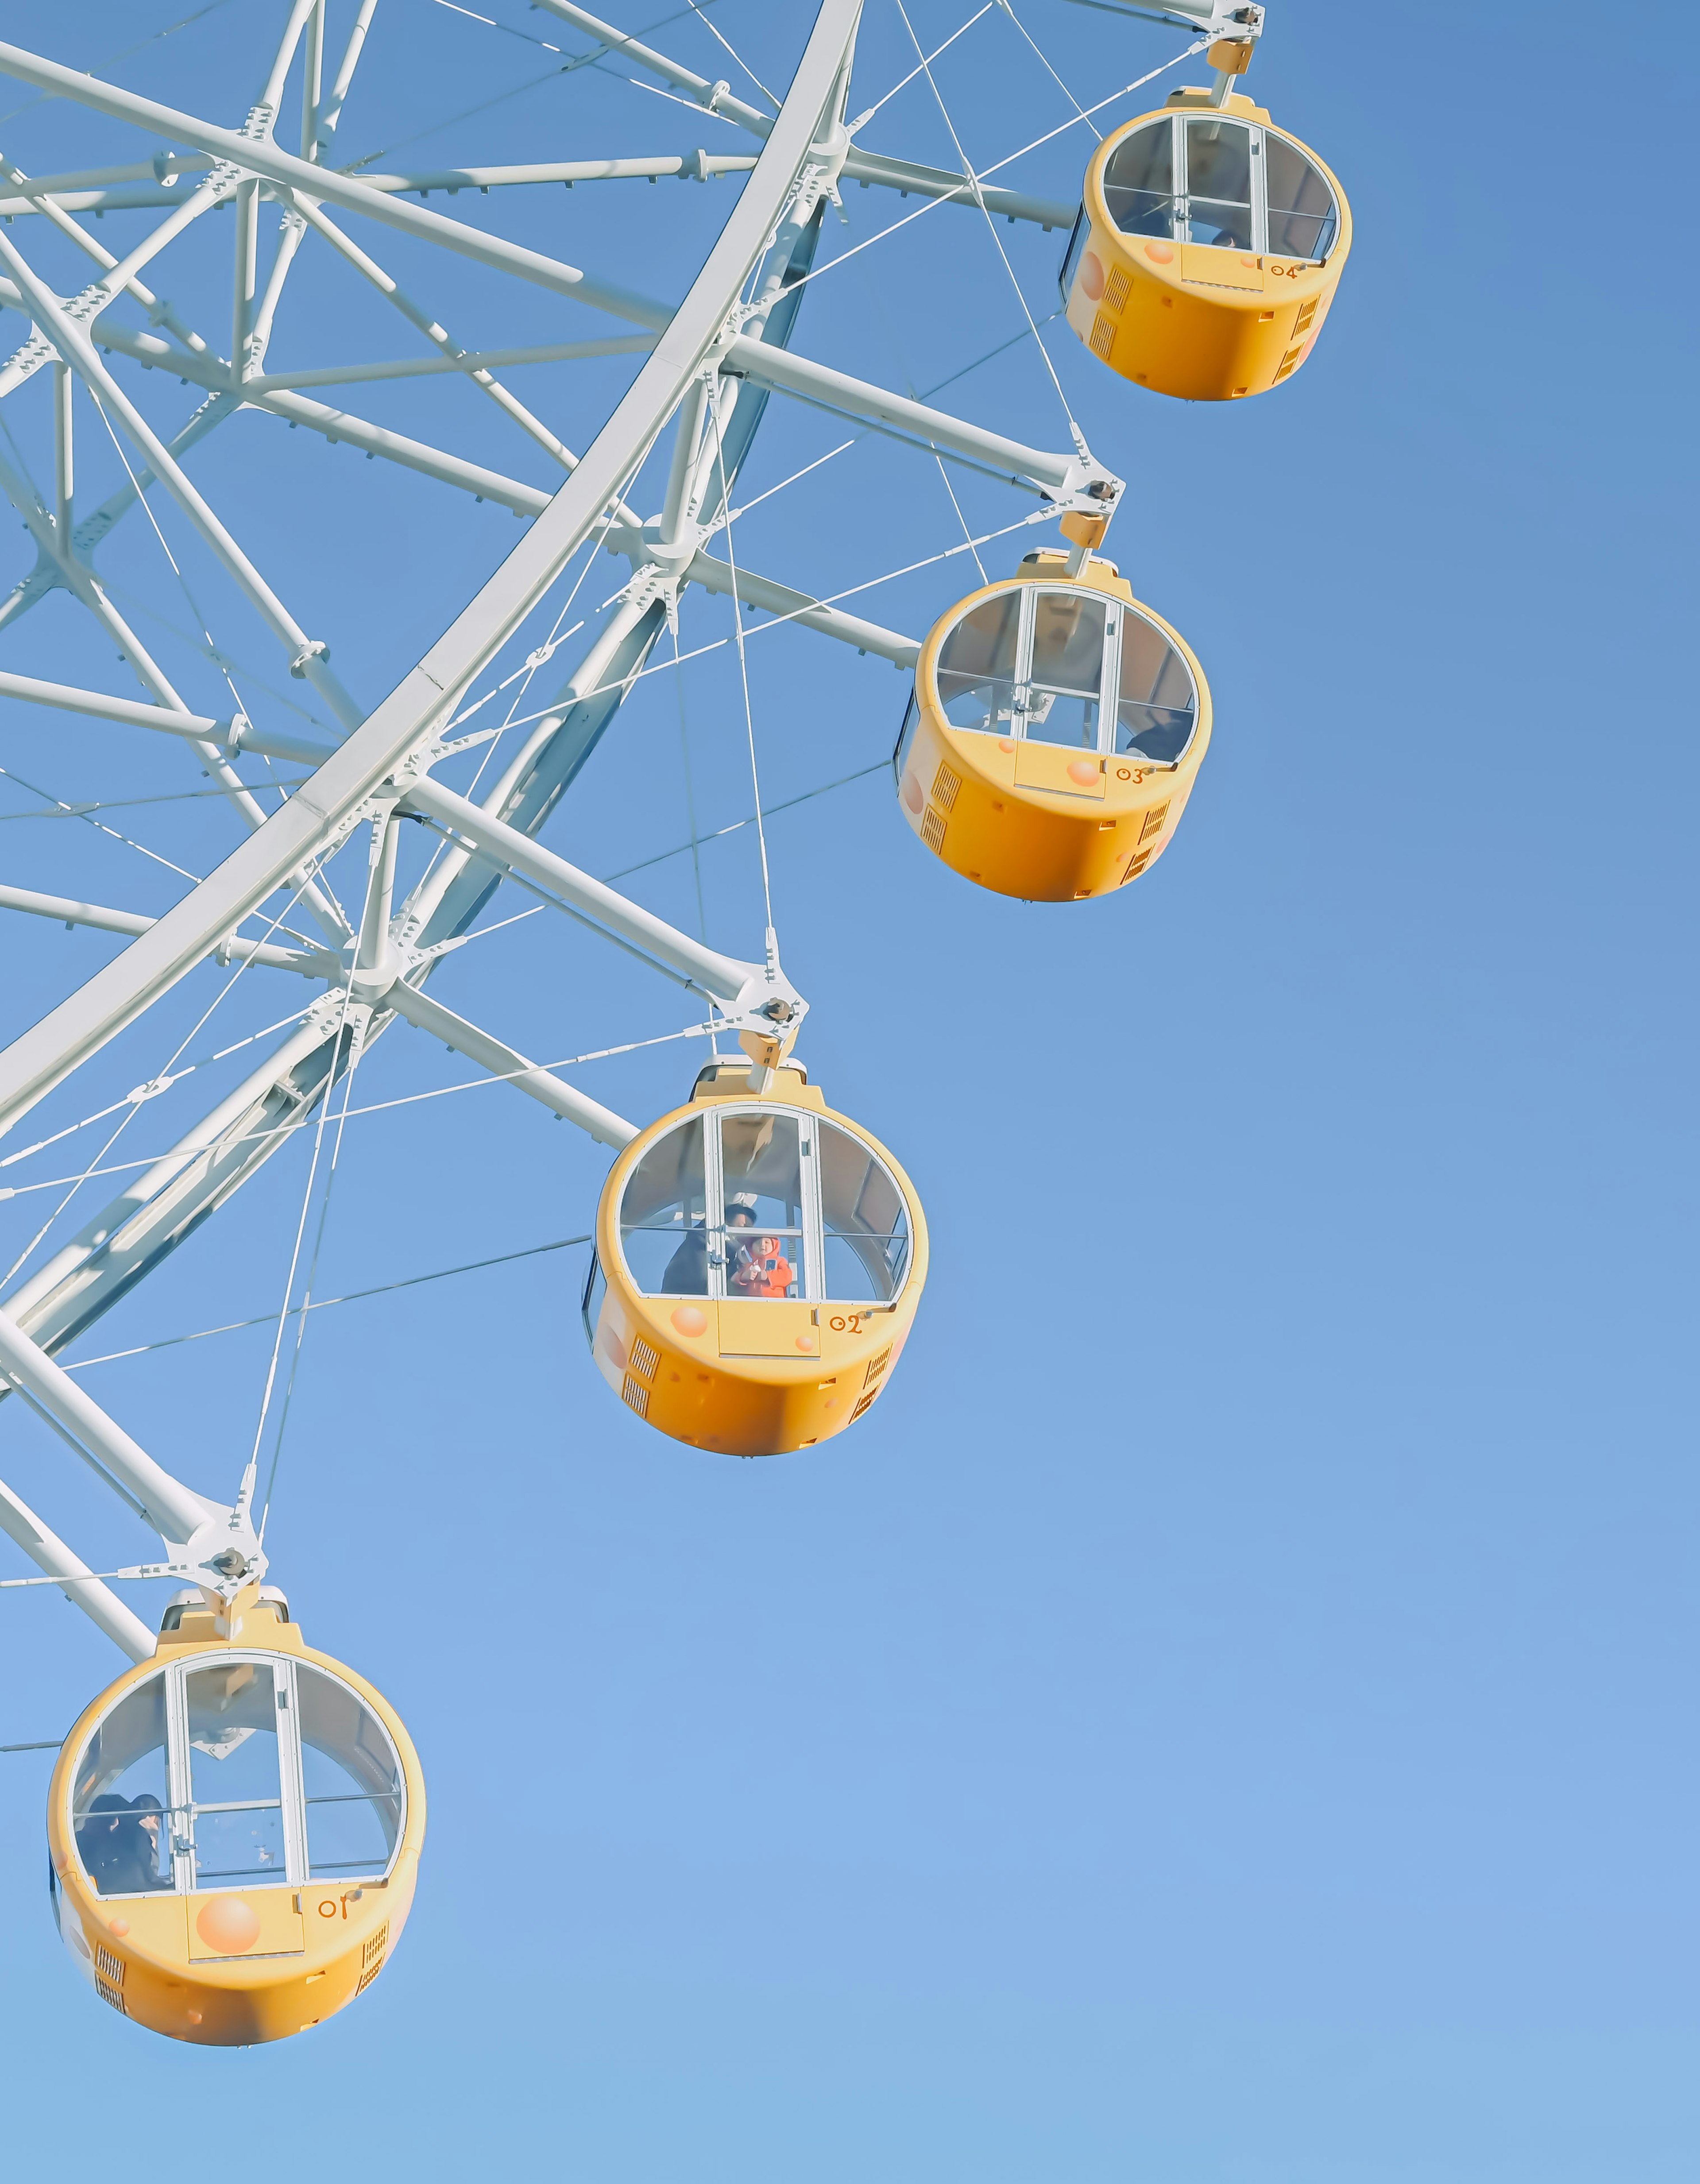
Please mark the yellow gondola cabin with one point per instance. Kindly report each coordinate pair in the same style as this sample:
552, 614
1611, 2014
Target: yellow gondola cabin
1055, 734
1208, 250
759, 1261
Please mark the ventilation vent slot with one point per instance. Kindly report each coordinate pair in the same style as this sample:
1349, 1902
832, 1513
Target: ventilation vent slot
1305, 314
863, 1404
110, 1967
932, 830
1103, 336
638, 1395
645, 1360
1137, 865
375, 1947
1153, 821
1116, 290
878, 1367
368, 1974
945, 785
1289, 362
109, 1992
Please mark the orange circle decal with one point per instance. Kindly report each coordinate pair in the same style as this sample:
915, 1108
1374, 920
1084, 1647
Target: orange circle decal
1160, 253
1092, 276
228, 1924
807, 1342
689, 1320
1083, 770
913, 793
119, 1927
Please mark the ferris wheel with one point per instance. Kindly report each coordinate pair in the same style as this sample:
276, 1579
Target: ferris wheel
235, 1826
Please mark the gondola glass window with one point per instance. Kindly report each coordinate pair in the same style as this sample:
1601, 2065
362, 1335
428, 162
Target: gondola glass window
233, 1774
1230, 185
1033, 663
764, 1203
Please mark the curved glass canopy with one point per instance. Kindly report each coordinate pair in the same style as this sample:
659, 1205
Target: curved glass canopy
236, 1771
765, 1202
1066, 664
1232, 184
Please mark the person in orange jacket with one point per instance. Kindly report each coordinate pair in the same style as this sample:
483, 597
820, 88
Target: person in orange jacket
763, 1270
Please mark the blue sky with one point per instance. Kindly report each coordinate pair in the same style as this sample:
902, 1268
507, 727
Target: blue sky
1223, 1718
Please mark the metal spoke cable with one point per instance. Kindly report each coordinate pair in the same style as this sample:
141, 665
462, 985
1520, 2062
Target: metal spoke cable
1046, 515
320, 1119
219, 657
744, 678
690, 795
135, 1104
213, 652
772, 99
404, 1099
873, 291
1008, 8
577, 61
129, 803
992, 230
306, 1304
788, 803
322, 1304
856, 439
126, 53
71, 812
997, 167
156, 1086
863, 119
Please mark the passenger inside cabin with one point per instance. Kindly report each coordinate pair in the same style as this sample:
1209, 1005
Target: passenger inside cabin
687, 1273
119, 1844
763, 1270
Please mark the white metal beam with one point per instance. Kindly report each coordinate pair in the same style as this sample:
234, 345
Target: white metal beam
307, 656
98, 1600
798, 607
427, 367
174, 1513
352, 195
237, 733
64, 910
502, 1059
734, 983
716, 98
85, 1021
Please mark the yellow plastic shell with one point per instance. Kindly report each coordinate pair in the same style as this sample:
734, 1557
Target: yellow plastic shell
1188, 319
166, 1960
746, 1376
1042, 821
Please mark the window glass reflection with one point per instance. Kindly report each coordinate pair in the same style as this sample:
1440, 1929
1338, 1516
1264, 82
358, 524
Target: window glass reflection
1302, 214
864, 1219
235, 1786
977, 665
118, 1804
1157, 705
352, 1776
1218, 183
1139, 182
1066, 676
664, 1216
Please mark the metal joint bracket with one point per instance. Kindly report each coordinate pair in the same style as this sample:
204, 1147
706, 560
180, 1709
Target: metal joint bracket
317, 649
1090, 490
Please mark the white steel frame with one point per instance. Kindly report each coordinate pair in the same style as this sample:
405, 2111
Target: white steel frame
714, 354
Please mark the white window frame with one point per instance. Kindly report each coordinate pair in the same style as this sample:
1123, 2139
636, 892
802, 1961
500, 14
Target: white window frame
1117, 612
811, 1286
1181, 195
291, 1801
